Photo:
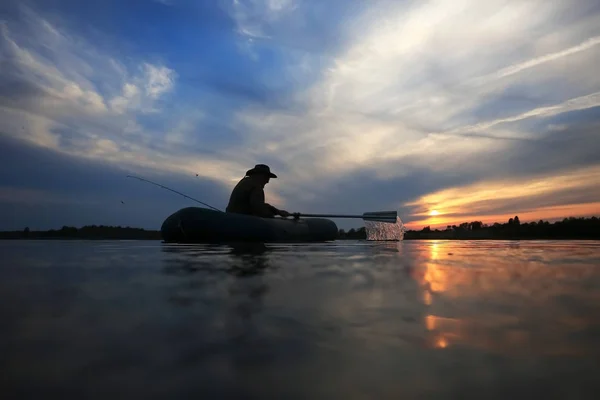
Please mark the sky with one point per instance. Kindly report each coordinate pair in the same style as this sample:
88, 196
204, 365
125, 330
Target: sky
448, 111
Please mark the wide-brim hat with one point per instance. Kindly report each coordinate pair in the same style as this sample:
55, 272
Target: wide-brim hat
261, 169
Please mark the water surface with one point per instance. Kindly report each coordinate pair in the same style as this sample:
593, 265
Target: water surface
352, 320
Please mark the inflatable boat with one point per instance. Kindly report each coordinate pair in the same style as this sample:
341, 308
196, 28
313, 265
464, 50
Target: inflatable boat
203, 225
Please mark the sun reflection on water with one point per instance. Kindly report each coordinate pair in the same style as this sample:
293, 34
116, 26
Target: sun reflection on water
496, 302
441, 343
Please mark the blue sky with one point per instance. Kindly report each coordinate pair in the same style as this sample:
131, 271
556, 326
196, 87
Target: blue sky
472, 109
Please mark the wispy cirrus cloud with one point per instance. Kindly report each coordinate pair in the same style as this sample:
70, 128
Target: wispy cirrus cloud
64, 89
43, 188
576, 104
254, 18
405, 94
93, 106
382, 103
522, 66
142, 90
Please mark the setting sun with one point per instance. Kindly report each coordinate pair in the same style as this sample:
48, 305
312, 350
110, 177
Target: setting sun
433, 213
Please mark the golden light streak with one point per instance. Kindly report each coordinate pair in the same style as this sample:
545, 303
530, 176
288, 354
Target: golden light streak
427, 298
505, 280
441, 343
479, 201
542, 213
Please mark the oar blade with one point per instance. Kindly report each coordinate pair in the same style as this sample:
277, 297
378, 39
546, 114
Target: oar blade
390, 217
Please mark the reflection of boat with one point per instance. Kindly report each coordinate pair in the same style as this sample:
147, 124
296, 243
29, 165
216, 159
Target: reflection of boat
201, 225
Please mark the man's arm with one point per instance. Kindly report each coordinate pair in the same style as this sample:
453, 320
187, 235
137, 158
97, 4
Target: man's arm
279, 212
259, 207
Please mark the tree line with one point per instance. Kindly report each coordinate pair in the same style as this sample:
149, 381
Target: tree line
568, 228
352, 234
86, 232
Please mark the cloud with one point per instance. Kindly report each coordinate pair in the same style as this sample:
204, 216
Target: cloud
356, 106
519, 67
22, 196
46, 77
253, 16
294, 30
159, 80
524, 194
580, 103
403, 94
140, 93
43, 189
93, 112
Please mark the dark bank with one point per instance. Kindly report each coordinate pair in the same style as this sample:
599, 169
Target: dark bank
568, 228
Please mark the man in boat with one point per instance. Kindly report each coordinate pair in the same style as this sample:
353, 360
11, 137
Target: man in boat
248, 196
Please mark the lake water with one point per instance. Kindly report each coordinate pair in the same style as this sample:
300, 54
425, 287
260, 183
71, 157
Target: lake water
347, 320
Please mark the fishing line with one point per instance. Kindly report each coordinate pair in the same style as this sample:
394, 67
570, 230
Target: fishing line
174, 191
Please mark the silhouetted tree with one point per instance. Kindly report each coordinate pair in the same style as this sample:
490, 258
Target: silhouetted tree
354, 234
476, 225
568, 228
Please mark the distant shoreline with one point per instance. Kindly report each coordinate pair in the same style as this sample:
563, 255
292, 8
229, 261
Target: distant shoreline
93, 232
567, 229
10, 237
527, 239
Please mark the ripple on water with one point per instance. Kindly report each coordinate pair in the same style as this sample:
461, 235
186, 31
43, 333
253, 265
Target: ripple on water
381, 319
385, 231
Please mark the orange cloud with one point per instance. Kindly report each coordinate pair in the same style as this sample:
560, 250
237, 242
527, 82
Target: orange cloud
545, 213
574, 194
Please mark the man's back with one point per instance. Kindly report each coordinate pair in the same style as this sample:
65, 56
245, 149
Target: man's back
248, 197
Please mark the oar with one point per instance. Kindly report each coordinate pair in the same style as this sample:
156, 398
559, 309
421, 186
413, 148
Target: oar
389, 217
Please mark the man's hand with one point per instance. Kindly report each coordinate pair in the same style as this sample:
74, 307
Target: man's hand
284, 213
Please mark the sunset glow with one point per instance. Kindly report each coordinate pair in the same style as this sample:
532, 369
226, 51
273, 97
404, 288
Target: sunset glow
460, 278
496, 201
350, 118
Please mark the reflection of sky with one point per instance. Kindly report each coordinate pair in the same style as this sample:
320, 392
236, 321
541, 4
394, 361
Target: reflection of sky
521, 300
324, 320
384, 110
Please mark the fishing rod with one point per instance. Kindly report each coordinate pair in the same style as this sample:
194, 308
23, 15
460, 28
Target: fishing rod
174, 191
379, 216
